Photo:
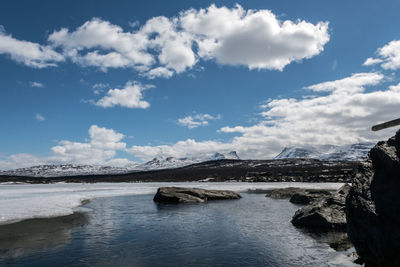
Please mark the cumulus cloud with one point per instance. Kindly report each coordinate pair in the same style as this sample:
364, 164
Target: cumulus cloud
253, 38
197, 120
39, 117
388, 56
100, 149
130, 96
180, 149
20, 161
28, 53
337, 112
102, 146
164, 46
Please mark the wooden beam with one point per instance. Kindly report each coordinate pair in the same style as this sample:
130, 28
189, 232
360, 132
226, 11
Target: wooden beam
386, 125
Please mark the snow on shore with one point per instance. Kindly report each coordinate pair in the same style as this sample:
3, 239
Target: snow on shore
27, 201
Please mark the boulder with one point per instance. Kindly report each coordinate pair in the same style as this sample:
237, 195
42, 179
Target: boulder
373, 206
309, 196
326, 214
192, 195
283, 193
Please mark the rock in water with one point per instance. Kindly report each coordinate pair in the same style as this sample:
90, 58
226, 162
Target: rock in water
282, 193
373, 206
192, 195
310, 196
326, 214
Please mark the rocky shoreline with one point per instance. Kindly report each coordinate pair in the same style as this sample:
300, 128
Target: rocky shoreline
323, 214
373, 206
368, 211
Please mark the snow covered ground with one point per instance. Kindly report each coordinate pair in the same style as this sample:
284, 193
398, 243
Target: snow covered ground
26, 201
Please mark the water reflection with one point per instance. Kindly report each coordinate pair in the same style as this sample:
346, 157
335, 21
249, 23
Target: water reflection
134, 231
338, 240
38, 235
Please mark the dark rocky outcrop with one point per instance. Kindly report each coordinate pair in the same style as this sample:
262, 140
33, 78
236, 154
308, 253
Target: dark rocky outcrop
192, 195
373, 206
327, 213
309, 196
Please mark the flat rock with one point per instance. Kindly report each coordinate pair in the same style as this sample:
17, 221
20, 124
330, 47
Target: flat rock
192, 195
327, 213
373, 206
283, 193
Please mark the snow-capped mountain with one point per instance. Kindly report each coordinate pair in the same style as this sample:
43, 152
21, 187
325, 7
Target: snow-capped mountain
64, 170
328, 152
166, 163
171, 162
230, 155
157, 163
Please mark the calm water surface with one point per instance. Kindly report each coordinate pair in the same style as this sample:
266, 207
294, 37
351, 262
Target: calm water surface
134, 231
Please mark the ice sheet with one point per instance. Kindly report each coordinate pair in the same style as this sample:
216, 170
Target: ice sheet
26, 201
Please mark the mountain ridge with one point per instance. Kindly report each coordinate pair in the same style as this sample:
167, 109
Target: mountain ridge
354, 152
157, 163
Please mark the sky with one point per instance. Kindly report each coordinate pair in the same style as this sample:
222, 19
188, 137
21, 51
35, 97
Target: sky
118, 82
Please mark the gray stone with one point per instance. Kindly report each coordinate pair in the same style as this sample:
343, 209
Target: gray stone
192, 195
326, 214
309, 196
373, 206
283, 193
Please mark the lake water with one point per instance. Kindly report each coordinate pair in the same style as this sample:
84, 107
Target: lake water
132, 230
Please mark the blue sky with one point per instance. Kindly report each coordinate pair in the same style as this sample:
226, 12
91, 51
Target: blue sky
104, 82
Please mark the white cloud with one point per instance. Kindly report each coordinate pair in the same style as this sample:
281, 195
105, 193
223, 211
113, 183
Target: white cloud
337, 112
20, 161
36, 84
158, 72
163, 46
39, 117
28, 53
101, 147
127, 49
130, 96
341, 113
352, 84
372, 61
197, 120
253, 38
388, 56
180, 149
120, 162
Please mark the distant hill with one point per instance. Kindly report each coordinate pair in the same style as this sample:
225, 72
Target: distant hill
355, 152
157, 163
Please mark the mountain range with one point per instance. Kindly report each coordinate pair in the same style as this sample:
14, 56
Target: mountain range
157, 163
354, 152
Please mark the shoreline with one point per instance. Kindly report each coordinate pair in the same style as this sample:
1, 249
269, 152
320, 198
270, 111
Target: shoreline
22, 202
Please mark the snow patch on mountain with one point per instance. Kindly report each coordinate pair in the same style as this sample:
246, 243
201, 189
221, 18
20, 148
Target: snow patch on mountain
157, 163
354, 152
